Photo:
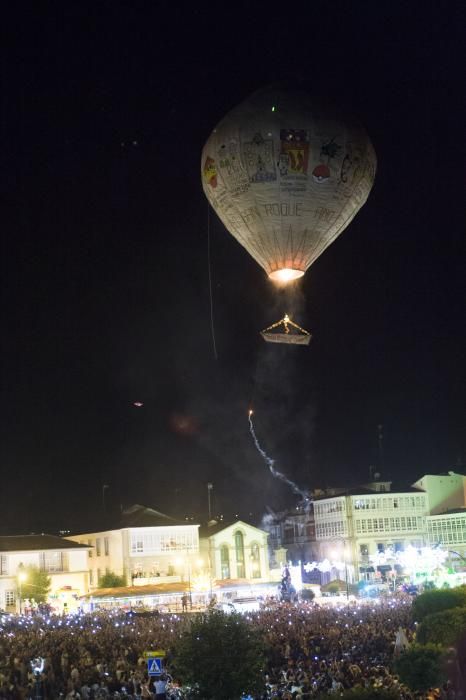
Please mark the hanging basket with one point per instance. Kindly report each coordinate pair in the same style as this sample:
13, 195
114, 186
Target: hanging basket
285, 331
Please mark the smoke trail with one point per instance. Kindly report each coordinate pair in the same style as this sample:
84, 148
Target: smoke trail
270, 463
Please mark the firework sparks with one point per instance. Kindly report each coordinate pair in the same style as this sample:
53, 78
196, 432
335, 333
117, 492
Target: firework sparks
271, 462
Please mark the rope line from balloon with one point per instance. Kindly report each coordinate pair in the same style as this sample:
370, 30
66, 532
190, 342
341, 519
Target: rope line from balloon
212, 328
286, 321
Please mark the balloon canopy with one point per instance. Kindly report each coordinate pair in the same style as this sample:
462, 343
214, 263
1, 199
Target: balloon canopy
286, 176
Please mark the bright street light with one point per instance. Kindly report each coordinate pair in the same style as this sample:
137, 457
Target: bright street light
22, 576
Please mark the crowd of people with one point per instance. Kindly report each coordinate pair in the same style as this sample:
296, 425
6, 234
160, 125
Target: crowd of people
312, 651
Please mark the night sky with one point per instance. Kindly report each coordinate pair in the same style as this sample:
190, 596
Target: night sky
104, 267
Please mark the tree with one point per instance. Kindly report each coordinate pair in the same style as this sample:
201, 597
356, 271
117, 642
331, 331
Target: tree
421, 667
307, 594
445, 628
111, 580
436, 601
36, 584
222, 654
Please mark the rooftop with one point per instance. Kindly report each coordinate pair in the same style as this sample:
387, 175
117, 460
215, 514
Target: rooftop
142, 516
37, 543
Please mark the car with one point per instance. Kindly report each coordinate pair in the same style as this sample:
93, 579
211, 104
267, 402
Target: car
241, 605
224, 607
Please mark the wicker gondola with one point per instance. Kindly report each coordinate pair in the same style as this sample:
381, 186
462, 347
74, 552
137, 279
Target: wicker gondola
286, 331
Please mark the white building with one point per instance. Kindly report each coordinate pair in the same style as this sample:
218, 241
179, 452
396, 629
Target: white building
356, 526
446, 491
62, 559
353, 527
148, 548
449, 531
236, 551
153, 549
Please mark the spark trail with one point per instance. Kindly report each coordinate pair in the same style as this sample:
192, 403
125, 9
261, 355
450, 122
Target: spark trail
271, 462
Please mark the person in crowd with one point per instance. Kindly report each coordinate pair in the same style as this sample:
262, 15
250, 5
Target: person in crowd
311, 651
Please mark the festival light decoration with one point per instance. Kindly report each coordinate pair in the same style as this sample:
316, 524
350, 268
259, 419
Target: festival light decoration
296, 577
324, 566
415, 562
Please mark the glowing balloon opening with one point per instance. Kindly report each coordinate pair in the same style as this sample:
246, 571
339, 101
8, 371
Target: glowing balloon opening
286, 274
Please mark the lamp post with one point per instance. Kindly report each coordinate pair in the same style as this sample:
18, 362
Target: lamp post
22, 576
189, 582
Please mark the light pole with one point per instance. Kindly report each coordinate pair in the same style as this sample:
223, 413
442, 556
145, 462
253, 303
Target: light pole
22, 576
189, 581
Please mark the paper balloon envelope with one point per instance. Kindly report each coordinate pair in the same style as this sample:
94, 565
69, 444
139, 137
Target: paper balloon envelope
285, 331
286, 175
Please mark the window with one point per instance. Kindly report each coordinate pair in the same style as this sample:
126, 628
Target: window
225, 561
364, 550
51, 561
98, 576
255, 561
10, 598
91, 577
97, 547
106, 546
160, 540
288, 533
89, 542
380, 547
239, 547
3, 565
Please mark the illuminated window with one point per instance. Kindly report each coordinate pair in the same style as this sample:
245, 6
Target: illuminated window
106, 546
239, 547
225, 561
10, 598
51, 561
255, 561
160, 540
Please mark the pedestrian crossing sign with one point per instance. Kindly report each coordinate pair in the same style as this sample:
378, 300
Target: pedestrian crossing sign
154, 666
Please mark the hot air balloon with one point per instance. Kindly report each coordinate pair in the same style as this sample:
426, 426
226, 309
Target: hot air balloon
286, 175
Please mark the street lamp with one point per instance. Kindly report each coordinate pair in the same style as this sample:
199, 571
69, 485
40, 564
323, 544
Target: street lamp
22, 576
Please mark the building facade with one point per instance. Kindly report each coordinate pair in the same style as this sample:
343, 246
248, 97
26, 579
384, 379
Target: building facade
449, 531
64, 561
149, 548
294, 531
446, 491
359, 526
235, 551
355, 527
